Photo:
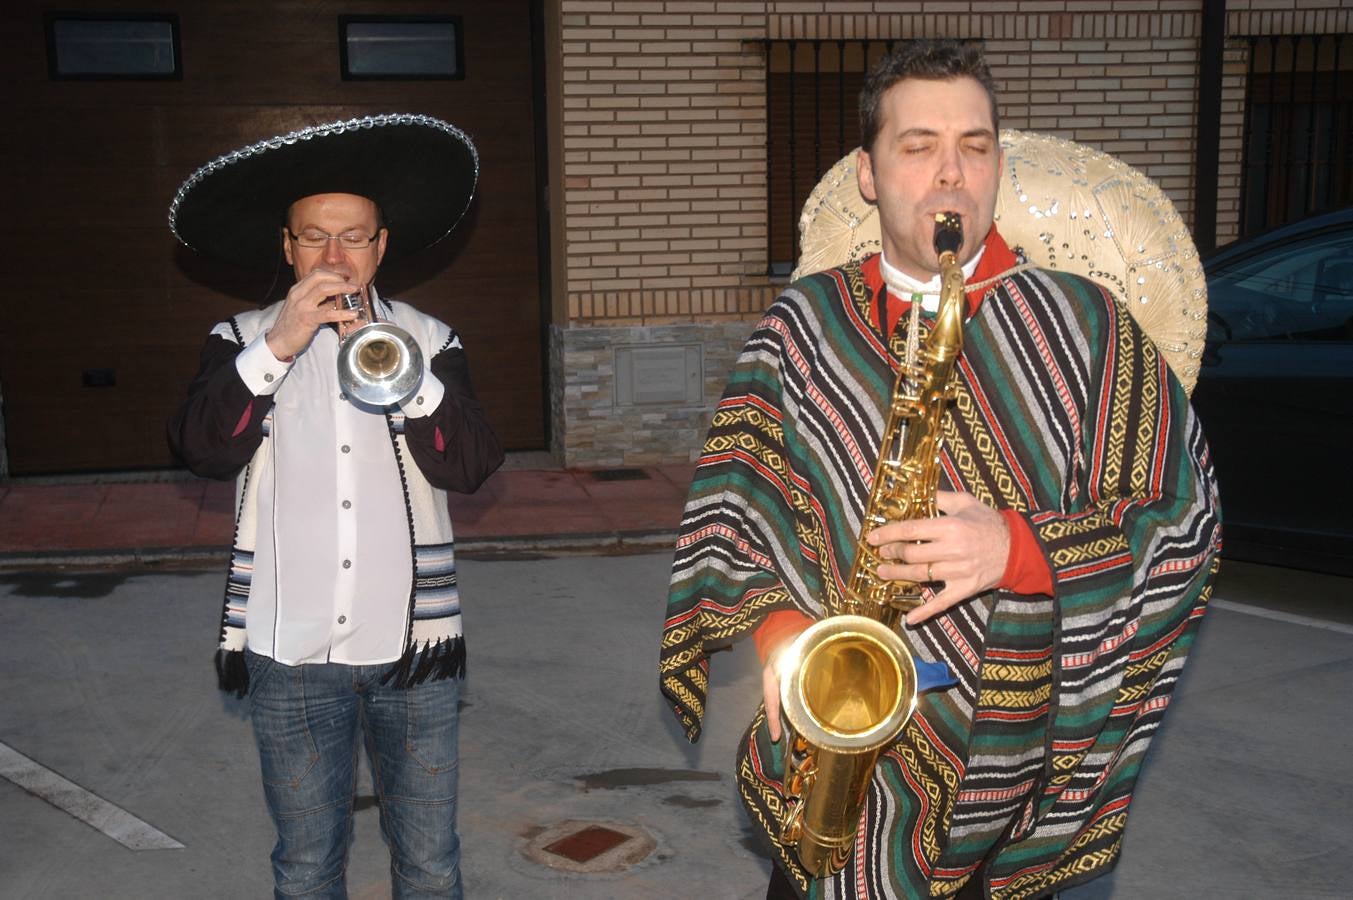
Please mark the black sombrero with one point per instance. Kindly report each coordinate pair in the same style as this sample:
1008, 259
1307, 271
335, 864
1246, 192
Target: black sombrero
421, 170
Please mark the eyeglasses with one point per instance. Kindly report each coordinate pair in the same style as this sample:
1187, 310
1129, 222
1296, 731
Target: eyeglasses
348, 240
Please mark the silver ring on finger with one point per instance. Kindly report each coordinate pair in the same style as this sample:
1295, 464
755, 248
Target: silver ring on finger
929, 571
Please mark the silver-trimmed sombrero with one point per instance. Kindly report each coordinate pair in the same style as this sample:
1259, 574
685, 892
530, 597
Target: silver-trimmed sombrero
1069, 207
421, 170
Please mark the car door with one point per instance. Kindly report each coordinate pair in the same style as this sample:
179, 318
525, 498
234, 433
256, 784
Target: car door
1275, 395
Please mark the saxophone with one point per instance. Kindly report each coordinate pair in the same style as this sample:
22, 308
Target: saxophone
849, 683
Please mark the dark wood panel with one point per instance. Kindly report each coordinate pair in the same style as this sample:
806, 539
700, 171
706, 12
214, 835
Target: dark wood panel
90, 168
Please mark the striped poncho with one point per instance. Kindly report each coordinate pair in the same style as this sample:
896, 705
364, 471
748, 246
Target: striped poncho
1022, 773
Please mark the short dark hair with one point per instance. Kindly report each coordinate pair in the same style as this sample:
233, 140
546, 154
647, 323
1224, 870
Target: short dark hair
931, 60
380, 212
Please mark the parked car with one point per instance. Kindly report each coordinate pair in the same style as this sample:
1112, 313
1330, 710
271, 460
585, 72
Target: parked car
1275, 392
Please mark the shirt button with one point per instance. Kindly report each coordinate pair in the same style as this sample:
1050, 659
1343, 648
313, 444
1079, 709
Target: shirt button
345, 448
342, 396
347, 564
420, 401
268, 378
342, 619
347, 504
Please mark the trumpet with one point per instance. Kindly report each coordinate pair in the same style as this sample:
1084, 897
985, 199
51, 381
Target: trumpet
379, 363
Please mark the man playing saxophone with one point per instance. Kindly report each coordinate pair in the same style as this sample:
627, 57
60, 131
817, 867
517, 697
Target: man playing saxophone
1063, 579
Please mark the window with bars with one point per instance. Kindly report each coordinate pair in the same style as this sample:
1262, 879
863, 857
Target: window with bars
812, 103
1298, 142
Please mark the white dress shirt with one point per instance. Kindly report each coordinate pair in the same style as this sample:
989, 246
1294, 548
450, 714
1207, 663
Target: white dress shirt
333, 564
906, 288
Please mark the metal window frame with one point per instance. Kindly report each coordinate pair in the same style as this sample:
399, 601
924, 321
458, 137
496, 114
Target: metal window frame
52, 18
458, 26
778, 194
1260, 174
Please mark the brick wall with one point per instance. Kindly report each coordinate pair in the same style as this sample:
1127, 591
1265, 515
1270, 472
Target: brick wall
664, 149
663, 165
661, 149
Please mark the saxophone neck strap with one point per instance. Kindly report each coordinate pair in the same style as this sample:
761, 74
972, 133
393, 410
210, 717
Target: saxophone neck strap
980, 287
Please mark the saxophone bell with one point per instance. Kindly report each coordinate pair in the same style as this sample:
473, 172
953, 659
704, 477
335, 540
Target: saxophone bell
850, 687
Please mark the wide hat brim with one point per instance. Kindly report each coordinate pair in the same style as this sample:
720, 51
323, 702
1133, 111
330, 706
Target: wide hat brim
1068, 206
421, 170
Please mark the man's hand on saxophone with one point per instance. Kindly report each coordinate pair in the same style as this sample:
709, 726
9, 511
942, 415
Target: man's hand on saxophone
967, 549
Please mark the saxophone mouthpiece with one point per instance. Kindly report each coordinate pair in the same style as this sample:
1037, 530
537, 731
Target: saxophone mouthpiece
948, 232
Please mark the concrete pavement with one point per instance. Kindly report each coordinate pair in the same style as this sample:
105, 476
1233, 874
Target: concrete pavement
109, 683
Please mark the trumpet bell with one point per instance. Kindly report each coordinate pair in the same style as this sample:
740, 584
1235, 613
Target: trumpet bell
379, 364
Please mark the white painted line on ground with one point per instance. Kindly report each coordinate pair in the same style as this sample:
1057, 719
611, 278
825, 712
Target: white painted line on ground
1275, 615
93, 810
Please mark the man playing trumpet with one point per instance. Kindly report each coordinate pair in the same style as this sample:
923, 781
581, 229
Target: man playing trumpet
341, 619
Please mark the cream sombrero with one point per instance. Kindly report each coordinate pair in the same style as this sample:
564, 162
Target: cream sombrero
1069, 207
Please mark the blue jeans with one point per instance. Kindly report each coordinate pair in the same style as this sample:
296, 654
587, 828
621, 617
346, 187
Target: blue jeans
307, 720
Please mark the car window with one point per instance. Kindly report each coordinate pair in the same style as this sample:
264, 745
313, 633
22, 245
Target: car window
1302, 290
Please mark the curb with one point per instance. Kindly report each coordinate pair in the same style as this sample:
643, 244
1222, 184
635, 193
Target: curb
613, 543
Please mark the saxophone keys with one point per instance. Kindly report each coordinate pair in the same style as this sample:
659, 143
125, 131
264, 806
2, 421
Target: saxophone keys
792, 832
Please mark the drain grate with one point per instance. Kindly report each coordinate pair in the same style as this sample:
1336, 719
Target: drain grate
587, 844
619, 474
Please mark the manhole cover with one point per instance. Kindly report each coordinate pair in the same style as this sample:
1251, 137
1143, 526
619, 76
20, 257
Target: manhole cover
586, 845
576, 846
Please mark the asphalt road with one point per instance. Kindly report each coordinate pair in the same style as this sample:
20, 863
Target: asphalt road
108, 683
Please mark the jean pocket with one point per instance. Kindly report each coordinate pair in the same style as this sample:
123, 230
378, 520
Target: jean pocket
286, 749
259, 668
433, 724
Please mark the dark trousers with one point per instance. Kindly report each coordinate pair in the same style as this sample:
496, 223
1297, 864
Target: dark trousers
781, 888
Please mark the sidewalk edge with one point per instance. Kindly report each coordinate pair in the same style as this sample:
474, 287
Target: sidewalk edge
601, 543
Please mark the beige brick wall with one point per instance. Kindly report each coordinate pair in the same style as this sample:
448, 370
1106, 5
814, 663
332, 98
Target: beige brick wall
663, 121
664, 139
1230, 147
660, 141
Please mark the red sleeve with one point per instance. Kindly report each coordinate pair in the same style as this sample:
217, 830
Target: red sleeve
1026, 571
779, 628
